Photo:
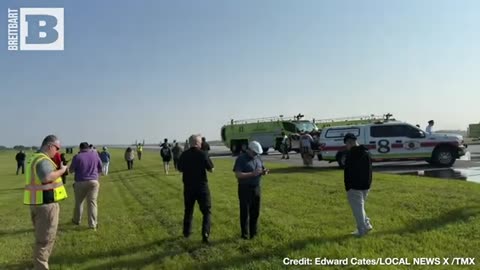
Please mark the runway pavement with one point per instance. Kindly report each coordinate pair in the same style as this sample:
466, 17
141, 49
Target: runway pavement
467, 168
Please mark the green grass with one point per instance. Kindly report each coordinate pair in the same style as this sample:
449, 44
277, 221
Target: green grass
304, 213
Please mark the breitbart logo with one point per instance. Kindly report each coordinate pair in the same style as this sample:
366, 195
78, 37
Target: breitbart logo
35, 29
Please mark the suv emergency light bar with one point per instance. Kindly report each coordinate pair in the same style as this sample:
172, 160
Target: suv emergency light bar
371, 117
267, 119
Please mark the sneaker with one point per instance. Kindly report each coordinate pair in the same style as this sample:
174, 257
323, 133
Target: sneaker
205, 238
369, 227
356, 233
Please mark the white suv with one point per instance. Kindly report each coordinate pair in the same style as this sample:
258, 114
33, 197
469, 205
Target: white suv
393, 141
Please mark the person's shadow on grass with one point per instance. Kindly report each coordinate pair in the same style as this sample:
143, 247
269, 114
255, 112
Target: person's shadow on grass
456, 215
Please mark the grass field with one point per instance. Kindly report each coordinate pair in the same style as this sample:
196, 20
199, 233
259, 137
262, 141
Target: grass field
304, 213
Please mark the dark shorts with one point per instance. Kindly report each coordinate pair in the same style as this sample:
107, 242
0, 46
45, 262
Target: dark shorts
167, 160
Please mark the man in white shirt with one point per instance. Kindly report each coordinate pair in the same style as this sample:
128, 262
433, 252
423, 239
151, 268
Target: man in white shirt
429, 128
284, 146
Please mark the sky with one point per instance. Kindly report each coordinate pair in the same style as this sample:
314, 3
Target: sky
146, 69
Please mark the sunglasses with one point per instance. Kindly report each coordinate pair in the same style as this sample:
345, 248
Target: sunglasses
56, 147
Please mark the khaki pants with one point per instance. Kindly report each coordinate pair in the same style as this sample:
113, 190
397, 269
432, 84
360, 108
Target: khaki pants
45, 222
88, 190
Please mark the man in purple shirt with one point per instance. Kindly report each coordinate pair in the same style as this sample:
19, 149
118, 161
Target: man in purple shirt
87, 167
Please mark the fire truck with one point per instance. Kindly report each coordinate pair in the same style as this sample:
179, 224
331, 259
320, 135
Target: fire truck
267, 131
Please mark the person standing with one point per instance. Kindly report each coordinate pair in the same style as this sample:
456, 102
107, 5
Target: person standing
129, 157
87, 166
248, 170
194, 163
306, 141
105, 158
43, 190
429, 128
358, 179
205, 146
20, 158
177, 152
166, 154
140, 150
284, 146
186, 146
64, 161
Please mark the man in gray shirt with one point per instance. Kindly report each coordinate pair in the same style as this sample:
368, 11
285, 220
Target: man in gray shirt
248, 170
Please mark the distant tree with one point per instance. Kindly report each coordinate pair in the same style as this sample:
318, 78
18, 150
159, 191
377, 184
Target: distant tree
34, 148
3, 147
18, 147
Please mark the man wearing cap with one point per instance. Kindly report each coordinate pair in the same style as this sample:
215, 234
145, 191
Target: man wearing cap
194, 163
358, 179
87, 166
248, 170
429, 128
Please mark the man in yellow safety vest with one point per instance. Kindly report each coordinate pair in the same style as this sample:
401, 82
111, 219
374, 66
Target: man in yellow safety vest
140, 150
43, 190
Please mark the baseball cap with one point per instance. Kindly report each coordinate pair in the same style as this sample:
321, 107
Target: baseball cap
255, 147
349, 136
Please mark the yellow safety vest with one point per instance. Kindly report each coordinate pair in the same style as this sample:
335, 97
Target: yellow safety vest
139, 148
34, 187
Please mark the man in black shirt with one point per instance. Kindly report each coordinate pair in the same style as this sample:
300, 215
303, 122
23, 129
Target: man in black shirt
166, 154
358, 179
20, 158
194, 163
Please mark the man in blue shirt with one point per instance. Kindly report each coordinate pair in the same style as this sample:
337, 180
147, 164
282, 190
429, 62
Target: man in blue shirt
105, 158
248, 170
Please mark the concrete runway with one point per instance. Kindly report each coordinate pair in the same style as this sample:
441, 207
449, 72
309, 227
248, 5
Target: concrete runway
467, 168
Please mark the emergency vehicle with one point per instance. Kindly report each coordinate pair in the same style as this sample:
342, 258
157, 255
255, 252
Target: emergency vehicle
390, 140
474, 131
267, 131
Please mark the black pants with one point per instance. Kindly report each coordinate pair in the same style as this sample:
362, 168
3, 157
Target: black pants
64, 179
21, 165
201, 194
249, 197
130, 164
175, 162
139, 154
